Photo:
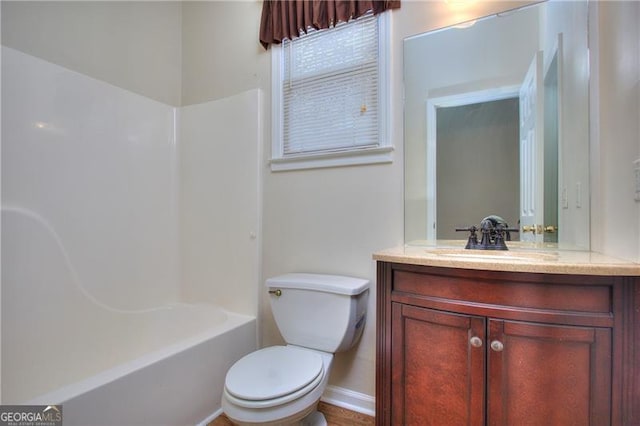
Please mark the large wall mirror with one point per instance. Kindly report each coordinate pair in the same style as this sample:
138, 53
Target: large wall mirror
497, 122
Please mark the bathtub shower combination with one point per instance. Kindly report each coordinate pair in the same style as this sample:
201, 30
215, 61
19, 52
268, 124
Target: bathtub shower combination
119, 296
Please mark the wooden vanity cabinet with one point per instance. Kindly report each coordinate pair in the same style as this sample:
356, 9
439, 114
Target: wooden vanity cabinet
470, 347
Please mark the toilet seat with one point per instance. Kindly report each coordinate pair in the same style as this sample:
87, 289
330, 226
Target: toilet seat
273, 376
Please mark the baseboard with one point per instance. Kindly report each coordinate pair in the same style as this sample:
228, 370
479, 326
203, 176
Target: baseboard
210, 417
334, 395
351, 400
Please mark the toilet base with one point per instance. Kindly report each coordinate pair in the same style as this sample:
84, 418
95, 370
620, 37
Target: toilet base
308, 417
316, 418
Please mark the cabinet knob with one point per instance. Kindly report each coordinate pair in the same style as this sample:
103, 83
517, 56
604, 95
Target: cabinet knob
497, 346
475, 341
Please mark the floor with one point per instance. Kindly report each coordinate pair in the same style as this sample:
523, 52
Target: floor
335, 416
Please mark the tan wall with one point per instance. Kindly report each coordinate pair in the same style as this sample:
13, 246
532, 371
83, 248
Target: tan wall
615, 132
133, 45
220, 52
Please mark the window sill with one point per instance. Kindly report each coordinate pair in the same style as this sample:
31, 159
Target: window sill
333, 159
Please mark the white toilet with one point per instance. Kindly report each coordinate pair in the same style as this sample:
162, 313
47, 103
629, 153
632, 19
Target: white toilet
317, 315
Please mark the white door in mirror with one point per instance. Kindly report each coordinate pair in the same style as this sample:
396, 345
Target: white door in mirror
531, 151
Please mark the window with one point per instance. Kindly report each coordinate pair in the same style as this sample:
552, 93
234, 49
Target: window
330, 92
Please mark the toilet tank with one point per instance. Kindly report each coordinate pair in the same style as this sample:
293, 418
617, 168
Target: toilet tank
317, 311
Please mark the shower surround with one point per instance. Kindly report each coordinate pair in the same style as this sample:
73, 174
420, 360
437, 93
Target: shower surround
130, 234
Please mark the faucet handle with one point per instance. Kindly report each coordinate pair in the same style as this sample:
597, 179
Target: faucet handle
471, 229
498, 243
472, 242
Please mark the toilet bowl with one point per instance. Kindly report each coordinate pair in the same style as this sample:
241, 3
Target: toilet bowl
317, 316
276, 385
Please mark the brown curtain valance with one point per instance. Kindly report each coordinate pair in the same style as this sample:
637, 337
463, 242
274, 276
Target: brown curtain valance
287, 18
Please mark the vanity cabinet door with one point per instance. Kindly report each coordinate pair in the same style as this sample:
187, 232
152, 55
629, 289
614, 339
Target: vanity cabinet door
541, 374
437, 367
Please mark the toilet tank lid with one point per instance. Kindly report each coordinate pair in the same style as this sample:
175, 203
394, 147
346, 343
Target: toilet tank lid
320, 282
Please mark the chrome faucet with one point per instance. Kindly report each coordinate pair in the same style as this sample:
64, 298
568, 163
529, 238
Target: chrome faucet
494, 230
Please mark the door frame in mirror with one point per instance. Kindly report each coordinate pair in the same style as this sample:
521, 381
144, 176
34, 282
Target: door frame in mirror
432, 105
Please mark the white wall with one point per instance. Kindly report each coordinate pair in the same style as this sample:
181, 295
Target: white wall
98, 164
89, 221
220, 201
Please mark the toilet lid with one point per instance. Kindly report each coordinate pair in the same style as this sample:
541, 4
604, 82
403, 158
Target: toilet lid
272, 373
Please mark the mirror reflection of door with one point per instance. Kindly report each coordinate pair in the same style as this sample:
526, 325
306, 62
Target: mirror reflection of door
477, 156
551, 144
531, 152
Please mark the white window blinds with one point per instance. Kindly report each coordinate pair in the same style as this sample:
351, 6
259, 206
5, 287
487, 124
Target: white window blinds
330, 100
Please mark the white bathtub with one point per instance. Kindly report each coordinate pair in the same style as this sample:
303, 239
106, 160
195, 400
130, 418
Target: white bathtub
172, 376
154, 366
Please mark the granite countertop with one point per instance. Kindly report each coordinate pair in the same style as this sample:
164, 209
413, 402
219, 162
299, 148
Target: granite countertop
521, 257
